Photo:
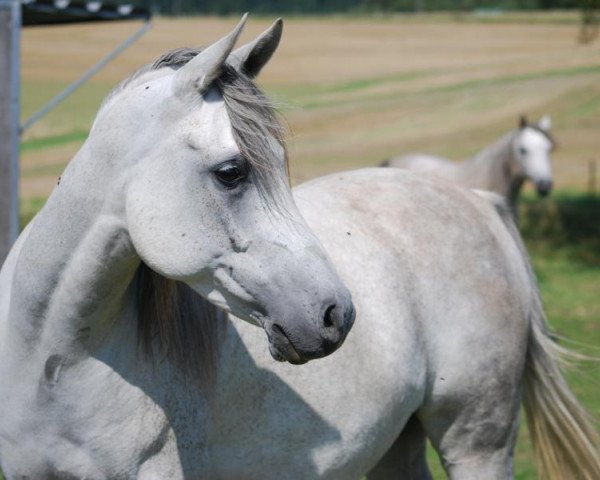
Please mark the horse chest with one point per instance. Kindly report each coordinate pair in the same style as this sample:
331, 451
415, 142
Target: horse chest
93, 421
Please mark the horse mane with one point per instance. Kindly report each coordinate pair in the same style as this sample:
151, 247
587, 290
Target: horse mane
492, 151
180, 325
173, 320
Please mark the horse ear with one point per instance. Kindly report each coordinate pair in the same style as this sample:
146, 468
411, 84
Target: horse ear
200, 72
523, 122
545, 123
252, 57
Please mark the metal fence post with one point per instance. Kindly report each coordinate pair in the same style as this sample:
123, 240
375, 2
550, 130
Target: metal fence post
10, 26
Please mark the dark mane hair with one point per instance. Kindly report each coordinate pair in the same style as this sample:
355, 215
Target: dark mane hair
177, 324
174, 322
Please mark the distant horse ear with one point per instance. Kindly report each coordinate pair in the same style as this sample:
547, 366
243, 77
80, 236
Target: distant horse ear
252, 57
200, 72
545, 123
523, 121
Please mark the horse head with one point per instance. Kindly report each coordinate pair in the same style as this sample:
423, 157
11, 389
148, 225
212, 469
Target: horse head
207, 196
531, 151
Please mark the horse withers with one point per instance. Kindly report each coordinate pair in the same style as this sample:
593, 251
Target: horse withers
115, 365
502, 167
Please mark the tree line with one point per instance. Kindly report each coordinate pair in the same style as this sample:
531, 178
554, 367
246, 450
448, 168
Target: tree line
226, 7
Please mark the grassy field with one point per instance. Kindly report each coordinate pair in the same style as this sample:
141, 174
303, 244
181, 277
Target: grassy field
353, 90
357, 90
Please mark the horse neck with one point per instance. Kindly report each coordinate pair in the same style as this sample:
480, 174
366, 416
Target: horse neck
79, 288
492, 169
75, 266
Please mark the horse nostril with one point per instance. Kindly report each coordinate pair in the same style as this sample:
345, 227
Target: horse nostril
328, 318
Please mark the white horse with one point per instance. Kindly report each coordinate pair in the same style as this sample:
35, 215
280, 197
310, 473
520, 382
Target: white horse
501, 167
113, 365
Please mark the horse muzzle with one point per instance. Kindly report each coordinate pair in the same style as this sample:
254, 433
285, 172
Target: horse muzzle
544, 187
298, 343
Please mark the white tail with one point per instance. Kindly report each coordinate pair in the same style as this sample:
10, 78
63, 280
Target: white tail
565, 441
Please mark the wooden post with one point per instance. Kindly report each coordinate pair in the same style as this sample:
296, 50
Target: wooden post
10, 26
592, 177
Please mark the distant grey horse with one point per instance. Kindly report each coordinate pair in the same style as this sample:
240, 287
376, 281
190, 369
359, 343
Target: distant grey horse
502, 167
115, 363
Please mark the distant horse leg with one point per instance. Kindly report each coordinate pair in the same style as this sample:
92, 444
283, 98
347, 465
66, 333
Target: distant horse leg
406, 457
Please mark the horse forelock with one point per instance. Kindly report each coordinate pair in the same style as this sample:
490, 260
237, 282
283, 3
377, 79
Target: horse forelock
545, 133
256, 127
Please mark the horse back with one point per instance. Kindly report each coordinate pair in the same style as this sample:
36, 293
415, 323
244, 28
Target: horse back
423, 164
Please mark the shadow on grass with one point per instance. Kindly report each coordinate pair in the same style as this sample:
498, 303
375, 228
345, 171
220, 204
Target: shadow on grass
567, 221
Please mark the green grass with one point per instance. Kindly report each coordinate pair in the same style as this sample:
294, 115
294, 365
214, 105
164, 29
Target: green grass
566, 227
301, 95
69, 119
53, 140
29, 207
310, 97
502, 80
68, 122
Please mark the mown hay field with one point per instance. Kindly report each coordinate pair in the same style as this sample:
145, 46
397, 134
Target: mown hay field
357, 90
354, 91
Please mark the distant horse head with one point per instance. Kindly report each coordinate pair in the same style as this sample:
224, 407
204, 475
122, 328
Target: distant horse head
207, 196
531, 152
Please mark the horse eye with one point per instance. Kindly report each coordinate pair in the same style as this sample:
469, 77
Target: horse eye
231, 175
522, 150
